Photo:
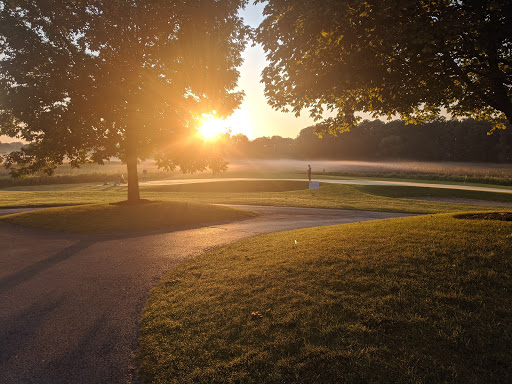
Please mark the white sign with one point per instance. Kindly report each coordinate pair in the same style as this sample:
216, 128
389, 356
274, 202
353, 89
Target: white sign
314, 185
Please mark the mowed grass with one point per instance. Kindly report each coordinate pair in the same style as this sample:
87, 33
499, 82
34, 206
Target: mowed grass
108, 218
419, 192
262, 192
411, 300
233, 186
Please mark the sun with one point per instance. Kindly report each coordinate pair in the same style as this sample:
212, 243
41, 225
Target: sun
211, 127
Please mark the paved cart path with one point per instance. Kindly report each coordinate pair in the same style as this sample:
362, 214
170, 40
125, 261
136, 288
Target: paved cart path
70, 305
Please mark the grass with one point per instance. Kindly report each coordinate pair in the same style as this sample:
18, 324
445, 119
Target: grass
423, 299
108, 218
430, 178
374, 198
233, 186
344, 197
418, 192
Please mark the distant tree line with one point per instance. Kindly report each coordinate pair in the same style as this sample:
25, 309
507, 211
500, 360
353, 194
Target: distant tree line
438, 140
10, 147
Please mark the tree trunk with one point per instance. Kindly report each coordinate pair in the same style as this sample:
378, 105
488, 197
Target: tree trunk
131, 166
508, 113
133, 179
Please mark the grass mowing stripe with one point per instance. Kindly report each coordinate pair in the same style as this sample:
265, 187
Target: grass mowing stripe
107, 218
232, 186
423, 299
406, 192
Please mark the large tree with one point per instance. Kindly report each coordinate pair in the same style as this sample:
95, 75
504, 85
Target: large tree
406, 58
87, 80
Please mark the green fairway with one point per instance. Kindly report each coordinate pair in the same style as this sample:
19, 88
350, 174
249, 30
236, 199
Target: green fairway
261, 192
107, 218
418, 192
232, 186
423, 299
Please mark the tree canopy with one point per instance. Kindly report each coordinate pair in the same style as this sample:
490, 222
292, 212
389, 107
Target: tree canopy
404, 58
92, 79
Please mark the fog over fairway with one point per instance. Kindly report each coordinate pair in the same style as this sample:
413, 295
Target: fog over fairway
336, 166
485, 173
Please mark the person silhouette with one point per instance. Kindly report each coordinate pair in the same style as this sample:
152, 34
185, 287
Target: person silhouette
309, 172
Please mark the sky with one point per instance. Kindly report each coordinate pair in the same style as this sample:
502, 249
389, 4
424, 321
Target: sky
255, 118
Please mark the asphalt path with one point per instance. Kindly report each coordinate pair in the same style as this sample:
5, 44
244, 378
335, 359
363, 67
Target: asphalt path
70, 305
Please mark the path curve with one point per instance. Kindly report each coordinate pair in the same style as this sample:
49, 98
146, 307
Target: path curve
71, 304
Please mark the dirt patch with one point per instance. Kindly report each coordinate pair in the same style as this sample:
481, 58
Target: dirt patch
456, 200
501, 216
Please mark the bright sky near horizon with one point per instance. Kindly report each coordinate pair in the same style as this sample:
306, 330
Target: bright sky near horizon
255, 118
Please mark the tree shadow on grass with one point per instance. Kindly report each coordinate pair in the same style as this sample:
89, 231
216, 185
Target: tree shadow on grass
500, 216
